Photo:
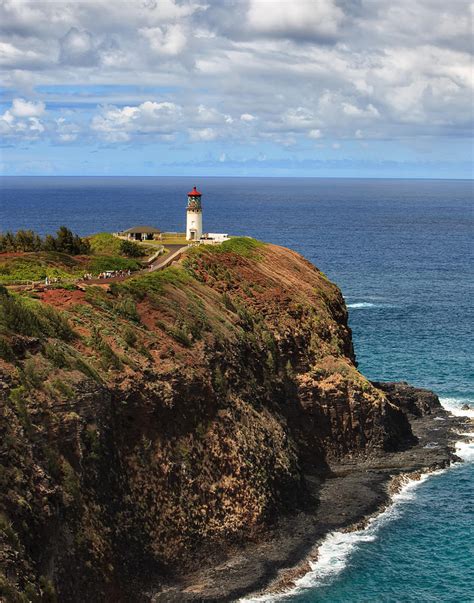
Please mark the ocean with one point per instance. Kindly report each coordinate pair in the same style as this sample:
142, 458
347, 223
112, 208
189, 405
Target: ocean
401, 251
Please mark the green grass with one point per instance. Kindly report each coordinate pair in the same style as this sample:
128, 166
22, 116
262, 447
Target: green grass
173, 238
36, 266
244, 246
104, 243
25, 316
153, 282
102, 263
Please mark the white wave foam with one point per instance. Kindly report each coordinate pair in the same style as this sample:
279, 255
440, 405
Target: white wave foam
361, 305
366, 305
454, 405
465, 450
337, 547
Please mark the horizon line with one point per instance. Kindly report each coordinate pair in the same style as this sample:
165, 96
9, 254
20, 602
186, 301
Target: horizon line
235, 176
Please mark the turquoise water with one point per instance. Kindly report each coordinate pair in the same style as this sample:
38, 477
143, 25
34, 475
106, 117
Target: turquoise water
419, 550
401, 251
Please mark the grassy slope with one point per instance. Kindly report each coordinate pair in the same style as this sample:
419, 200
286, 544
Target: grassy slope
23, 267
104, 243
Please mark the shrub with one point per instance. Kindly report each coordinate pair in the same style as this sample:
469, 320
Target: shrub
130, 337
228, 303
131, 249
30, 377
17, 397
219, 381
180, 333
103, 263
127, 308
48, 592
97, 297
108, 358
16, 317
6, 351
55, 323
70, 483
55, 353
63, 388
85, 368
27, 317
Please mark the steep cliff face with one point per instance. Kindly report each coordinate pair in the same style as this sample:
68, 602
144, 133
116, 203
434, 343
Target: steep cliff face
147, 426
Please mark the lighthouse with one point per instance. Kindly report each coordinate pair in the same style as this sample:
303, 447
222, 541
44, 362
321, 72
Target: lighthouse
194, 216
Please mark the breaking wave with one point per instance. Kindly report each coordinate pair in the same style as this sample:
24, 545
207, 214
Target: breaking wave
367, 305
454, 405
336, 549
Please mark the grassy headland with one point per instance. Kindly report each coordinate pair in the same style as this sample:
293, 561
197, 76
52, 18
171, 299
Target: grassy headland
26, 257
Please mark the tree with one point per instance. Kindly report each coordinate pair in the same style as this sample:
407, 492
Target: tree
7, 242
27, 240
49, 243
67, 242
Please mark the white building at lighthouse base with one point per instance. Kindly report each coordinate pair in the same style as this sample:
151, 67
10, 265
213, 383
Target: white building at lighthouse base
193, 225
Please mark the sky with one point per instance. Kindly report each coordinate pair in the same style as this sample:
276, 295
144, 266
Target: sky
342, 88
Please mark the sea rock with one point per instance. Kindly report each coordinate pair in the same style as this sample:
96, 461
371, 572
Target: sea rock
414, 401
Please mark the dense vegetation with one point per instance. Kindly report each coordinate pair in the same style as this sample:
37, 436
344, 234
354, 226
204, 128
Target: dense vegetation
65, 257
131, 249
37, 266
26, 316
65, 241
104, 243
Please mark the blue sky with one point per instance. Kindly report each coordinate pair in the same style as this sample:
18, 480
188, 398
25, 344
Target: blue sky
367, 88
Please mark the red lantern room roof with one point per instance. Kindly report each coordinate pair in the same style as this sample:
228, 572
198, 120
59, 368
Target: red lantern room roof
194, 193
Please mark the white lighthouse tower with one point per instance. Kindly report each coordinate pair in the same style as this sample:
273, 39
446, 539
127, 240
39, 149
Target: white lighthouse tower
194, 216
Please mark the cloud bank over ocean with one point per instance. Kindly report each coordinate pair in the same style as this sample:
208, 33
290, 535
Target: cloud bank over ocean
333, 87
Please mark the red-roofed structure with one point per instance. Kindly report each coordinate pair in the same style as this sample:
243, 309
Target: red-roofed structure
194, 216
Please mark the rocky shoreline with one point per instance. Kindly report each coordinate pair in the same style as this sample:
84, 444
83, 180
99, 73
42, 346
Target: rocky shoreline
354, 491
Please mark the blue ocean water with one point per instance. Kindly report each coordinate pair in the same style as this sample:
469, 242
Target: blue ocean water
401, 251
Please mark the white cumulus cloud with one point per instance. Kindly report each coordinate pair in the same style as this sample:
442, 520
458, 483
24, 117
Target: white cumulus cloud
202, 134
302, 19
116, 124
315, 134
23, 108
168, 40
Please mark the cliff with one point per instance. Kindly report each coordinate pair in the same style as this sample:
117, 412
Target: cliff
149, 426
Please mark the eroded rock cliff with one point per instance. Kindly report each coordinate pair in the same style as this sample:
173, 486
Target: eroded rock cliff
148, 425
